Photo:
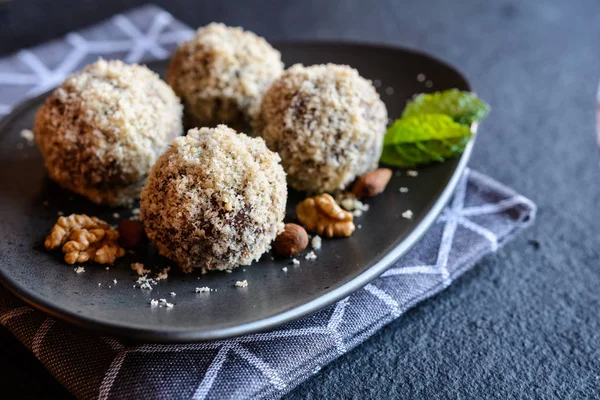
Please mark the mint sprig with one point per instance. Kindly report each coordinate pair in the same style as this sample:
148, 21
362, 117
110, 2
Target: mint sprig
434, 127
463, 107
423, 139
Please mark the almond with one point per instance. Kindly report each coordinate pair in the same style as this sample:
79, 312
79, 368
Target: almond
372, 183
291, 241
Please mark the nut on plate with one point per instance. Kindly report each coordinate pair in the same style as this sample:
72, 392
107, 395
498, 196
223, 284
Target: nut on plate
291, 241
84, 238
323, 215
131, 234
372, 183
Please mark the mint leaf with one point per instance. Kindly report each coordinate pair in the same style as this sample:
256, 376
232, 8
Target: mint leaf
464, 107
423, 139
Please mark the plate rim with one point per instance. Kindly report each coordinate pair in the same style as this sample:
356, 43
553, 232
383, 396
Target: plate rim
158, 335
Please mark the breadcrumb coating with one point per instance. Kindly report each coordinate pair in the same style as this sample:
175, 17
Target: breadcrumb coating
215, 199
326, 122
102, 130
221, 75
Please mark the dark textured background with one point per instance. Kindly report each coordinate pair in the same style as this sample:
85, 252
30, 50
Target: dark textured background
525, 323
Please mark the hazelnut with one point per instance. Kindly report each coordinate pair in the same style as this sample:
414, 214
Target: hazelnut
372, 183
291, 241
132, 234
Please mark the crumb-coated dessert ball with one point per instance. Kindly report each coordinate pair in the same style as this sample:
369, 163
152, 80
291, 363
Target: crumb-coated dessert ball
221, 74
326, 122
214, 200
102, 130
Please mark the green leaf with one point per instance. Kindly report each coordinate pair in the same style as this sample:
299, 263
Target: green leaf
424, 127
464, 107
423, 139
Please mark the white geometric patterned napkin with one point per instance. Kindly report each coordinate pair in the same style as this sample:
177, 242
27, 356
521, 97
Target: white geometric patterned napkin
480, 218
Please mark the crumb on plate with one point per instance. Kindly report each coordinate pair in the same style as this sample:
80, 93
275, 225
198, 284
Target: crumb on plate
27, 134
316, 242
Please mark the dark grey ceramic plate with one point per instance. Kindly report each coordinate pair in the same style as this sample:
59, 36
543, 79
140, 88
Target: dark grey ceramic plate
29, 203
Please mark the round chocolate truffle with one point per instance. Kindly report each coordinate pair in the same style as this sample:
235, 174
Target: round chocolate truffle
221, 74
214, 200
326, 122
102, 130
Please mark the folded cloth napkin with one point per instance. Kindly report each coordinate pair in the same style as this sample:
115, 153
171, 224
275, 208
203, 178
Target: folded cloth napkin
480, 218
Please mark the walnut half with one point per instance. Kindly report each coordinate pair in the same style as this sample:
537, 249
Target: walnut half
323, 215
84, 238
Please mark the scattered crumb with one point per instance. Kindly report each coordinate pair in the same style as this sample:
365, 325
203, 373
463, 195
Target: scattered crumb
284, 269
79, 270
203, 289
347, 203
389, 90
99, 284
403, 190
412, 172
244, 270
428, 84
163, 274
316, 242
272, 258
145, 283
377, 82
359, 226
27, 134
139, 269
60, 213
408, 214
135, 211
163, 301
153, 303
421, 77
310, 256
107, 268
116, 215
173, 294
20, 146
243, 283
228, 271
295, 261
350, 203
115, 281
169, 305
110, 287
